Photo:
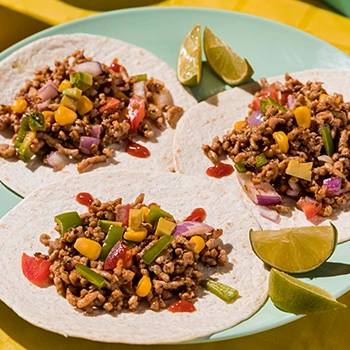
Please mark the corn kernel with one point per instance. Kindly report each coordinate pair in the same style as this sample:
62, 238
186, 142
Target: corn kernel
64, 85
338, 99
269, 153
65, 116
199, 243
322, 97
282, 141
238, 125
303, 116
84, 105
47, 114
135, 236
164, 227
144, 286
87, 247
135, 219
145, 213
19, 106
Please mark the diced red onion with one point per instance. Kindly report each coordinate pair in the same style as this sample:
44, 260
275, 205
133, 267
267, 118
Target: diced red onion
140, 88
269, 214
292, 193
294, 186
344, 190
48, 91
325, 158
256, 118
190, 228
86, 143
96, 131
44, 105
163, 98
56, 160
333, 185
291, 100
90, 67
118, 82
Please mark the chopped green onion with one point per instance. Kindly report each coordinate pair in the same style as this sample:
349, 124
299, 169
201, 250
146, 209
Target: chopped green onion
155, 213
139, 77
23, 129
152, 253
327, 140
90, 275
24, 151
260, 160
37, 121
221, 290
106, 224
270, 101
240, 167
114, 235
68, 220
263, 106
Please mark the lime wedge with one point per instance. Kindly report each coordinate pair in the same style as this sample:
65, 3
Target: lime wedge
291, 295
295, 250
225, 63
189, 60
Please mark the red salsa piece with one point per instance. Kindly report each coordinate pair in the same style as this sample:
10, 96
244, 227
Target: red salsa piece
136, 150
198, 214
122, 215
115, 66
119, 252
182, 306
219, 170
36, 270
84, 198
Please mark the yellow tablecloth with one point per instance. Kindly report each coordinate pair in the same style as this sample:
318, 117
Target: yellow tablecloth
327, 331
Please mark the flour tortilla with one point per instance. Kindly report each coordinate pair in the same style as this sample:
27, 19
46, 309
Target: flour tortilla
22, 64
20, 230
217, 115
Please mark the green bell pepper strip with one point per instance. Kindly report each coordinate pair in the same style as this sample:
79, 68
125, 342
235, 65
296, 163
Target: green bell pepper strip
152, 253
139, 77
120, 95
90, 275
114, 235
263, 106
37, 121
327, 140
271, 102
106, 224
68, 220
260, 160
155, 213
23, 129
24, 151
221, 290
240, 167
129, 244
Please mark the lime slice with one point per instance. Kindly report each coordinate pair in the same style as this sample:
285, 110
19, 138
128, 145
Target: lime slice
291, 295
295, 250
189, 60
225, 63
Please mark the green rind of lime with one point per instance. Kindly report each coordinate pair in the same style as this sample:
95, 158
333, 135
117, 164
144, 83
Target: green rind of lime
189, 60
295, 250
297, 297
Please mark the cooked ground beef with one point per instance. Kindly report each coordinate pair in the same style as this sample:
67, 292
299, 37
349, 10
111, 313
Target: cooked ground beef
114, 122
245, 142
174, 273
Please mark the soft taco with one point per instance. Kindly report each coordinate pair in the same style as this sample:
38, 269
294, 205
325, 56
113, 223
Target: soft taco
80, 102
144, 276
287, 145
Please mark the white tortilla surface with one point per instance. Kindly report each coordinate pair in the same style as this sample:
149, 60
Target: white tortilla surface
217, 115
22, 64
21, 228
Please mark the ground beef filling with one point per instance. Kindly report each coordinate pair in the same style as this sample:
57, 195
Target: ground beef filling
174, 274
305, 145
115, 125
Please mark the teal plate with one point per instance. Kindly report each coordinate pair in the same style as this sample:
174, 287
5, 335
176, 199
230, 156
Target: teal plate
272, 49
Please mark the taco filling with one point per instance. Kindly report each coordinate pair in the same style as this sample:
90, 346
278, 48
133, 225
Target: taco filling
117, 256
294, 142
79, 108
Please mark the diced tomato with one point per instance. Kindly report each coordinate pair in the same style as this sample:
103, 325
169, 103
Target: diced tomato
111, 103
136, 111
115, 66
182, 306
122, 214
198, 214
119, 252
266, 92
36, 270
284, 97
309, 206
